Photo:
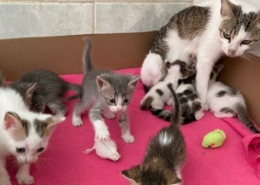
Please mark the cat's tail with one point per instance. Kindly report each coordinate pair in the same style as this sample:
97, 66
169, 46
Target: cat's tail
87, 59
146, 103
243, 116
78, 89
175, 119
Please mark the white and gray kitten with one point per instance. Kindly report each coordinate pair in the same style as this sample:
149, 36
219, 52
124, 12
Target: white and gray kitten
209, 31
224, 101
23, 134
109, 93
160, 94
165, 155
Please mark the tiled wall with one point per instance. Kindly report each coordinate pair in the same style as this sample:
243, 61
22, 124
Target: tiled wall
34, 18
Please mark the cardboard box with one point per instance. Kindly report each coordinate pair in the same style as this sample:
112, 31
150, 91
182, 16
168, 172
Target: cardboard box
63, 55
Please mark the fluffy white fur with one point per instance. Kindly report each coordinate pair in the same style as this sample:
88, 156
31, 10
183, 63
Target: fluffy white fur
105, 149
11, 101
208, 48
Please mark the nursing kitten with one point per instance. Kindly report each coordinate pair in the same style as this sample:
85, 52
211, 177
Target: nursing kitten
225, 101
49, 90
159, 94
109, 93
23, 134
207, 31
165, 155
191, 107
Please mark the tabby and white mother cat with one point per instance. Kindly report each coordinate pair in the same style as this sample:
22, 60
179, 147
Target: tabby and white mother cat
207, 31
23, 134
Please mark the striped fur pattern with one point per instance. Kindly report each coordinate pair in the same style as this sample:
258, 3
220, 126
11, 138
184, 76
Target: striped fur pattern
160, 94
165, 154
224, 101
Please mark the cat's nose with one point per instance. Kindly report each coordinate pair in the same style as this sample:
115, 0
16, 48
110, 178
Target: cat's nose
231, 52
119, 109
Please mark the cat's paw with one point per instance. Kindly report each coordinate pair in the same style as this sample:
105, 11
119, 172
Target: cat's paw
169, 102
76, 122
199, 115
5, 181
24, 179
102, 135
128, 138
115, 156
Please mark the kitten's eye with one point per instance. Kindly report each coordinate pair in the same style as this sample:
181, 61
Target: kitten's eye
246, 42
20, 150
112, 101
126, 101
40, 150
226, 35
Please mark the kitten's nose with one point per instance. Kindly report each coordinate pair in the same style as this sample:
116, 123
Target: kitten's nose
119, 109
231, 52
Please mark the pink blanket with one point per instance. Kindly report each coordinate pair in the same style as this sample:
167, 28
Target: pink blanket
64, 163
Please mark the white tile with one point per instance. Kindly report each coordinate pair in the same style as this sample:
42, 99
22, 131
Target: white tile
45, 19
139, 17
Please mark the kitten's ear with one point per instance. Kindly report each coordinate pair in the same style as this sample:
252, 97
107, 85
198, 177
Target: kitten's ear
226, 9
134, 81
53, 121
176, 181
29, 92
132, 174
102, 83
12, 121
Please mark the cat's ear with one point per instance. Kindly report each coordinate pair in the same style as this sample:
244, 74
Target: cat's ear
257, 21
134, 81
176, 181
12, 121
53, 121
133, 174
29, 92
102, 83
226, 9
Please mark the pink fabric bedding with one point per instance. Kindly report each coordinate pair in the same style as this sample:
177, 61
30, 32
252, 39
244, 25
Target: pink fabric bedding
64, 163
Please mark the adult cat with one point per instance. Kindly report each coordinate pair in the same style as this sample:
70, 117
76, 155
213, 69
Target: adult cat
207, 32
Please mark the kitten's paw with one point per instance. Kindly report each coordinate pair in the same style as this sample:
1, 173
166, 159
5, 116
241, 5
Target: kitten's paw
102, 135
5, 181
128, 138
24, 179
199, 115
76, 122
109, 115
169, 102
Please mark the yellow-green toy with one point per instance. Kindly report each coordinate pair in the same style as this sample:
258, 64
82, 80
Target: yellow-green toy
214, 139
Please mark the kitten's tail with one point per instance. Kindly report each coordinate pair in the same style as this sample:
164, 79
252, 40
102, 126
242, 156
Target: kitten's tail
175, 119
78, 89
242, 115
87, 59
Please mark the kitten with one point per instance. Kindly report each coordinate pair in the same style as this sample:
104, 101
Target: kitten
109, 93
49, 90
165, 155
225, 101
207, 32
191, 107
159, 94
23, 134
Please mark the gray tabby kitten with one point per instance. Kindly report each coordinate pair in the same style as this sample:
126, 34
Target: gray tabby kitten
165, 155
49, 90
224, 101
209, 31
109, 93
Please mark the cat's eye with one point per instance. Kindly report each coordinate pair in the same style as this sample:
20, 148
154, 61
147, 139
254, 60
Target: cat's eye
40, 150
226, 35
20, 150
112, 101
126, 101
246, 42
